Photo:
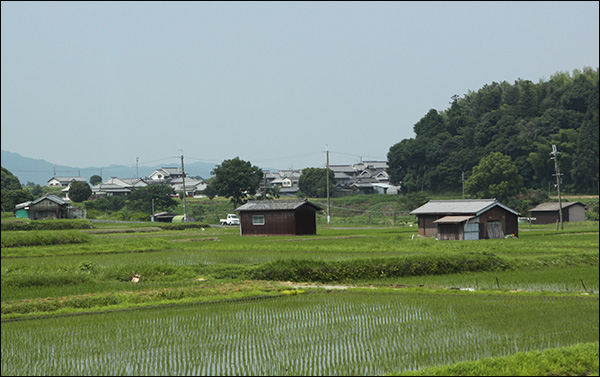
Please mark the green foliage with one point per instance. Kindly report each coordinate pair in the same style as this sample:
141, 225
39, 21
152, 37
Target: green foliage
575, 360
313, 182
79, 191
235, 179
520, 120
57, 224
9, 181
369, 269
95, 179
42, 238
496, 177
10, 198
158, 195
107, 204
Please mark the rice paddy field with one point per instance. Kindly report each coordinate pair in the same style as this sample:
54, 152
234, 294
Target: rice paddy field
348, 301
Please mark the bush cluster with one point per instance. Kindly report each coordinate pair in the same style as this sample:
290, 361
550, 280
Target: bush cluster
358, 269
42, 238
47, 225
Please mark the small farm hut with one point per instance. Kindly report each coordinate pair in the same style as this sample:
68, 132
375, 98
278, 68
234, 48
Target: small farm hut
278, 217
466, 219
49, 206
548, 213
163, 217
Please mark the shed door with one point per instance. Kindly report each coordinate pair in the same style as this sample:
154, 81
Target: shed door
494, 229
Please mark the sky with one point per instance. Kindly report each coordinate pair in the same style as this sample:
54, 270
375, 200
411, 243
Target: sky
273, 83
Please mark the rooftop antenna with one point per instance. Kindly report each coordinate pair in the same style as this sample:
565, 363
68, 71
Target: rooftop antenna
557, 174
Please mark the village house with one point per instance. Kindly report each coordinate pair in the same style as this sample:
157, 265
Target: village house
472, 219
278, 217
117, 187
64, 181
548, 213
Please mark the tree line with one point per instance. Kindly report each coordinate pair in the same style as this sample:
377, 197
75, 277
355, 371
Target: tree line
522, 121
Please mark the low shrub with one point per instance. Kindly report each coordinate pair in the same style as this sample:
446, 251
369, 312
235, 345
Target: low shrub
42, 238
376, 268
58, 224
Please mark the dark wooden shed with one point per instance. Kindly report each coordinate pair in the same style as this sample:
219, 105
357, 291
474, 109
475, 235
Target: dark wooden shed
466, 219
548, 213
49, 206
278, 217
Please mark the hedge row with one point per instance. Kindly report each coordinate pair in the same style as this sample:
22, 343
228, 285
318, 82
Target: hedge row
59, 224
42, 238
298, 270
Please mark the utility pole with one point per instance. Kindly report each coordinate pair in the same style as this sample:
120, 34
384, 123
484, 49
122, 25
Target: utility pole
554, 157
184, 192
463, 184
327, 175
136, 167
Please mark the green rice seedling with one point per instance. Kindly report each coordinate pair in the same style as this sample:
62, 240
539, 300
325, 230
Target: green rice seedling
358, 332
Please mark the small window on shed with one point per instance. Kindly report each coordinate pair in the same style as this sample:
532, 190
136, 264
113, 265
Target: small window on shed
258, 220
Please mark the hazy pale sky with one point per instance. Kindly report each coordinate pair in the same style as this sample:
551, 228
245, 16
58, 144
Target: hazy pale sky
99, 83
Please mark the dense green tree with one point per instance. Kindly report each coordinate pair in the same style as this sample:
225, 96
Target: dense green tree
9, 180
313, 182
160, 195
496, 177
236, 179
585, 164
95, 179
107, 204
10, 198
521, 120
430, 125
79, 191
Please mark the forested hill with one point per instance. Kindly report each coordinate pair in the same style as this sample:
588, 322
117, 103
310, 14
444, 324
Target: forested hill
520, 120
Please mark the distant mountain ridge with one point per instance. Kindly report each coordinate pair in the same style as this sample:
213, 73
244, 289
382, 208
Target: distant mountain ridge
41, 171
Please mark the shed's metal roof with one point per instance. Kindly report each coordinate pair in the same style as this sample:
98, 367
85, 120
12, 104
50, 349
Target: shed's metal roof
553, 206
460, 206
57, 199
276, 205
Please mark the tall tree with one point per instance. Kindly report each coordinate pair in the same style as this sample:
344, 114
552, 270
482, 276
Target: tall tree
79, 191
160, 194
496, 177
236, 179
313, 182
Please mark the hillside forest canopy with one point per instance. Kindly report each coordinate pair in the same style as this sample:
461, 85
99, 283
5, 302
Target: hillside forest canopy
521, 120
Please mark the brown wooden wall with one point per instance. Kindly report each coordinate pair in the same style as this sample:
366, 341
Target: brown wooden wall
510, 223
302, 221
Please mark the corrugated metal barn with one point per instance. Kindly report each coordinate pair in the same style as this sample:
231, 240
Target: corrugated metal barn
466, 219
548, 213
278, 217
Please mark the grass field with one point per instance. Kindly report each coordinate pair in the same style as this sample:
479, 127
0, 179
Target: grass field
398, 308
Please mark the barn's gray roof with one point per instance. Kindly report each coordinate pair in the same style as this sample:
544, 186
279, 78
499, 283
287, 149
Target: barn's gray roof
57, 199
276, 205
553, 206
461, 206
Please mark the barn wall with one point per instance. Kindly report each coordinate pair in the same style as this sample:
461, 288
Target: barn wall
276, 222
510, 221
576, 213
544, 217
426, 226
306, 221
